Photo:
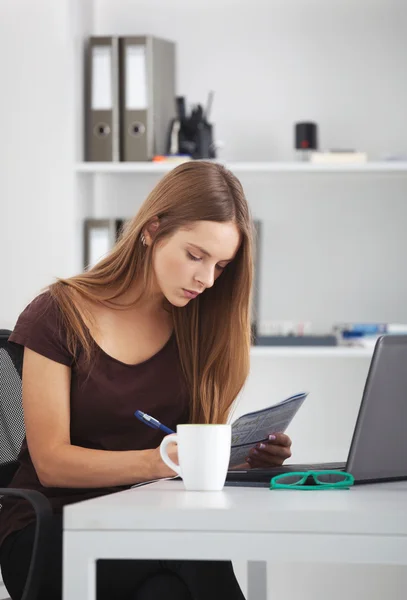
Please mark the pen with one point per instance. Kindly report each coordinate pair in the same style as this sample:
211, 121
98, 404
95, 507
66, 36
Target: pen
151, 422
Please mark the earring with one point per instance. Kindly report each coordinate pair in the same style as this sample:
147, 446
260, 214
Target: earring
143, 239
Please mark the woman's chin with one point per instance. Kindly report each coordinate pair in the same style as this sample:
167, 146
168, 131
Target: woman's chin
177, 300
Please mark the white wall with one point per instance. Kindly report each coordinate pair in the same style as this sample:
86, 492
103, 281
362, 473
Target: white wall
40, 219
36, 177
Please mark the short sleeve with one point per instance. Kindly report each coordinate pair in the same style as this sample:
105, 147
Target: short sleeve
40, 328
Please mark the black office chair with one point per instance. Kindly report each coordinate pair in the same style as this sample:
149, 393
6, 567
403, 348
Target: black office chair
12, 432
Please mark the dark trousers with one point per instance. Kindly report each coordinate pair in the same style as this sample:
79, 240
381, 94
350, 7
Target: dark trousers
119, 579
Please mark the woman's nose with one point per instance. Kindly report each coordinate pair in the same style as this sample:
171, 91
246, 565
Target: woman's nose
207, 277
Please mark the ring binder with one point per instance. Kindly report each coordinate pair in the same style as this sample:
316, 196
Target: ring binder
147, 96
102, 100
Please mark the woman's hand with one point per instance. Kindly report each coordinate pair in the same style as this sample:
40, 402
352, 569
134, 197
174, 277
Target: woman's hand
160, 468
271, 453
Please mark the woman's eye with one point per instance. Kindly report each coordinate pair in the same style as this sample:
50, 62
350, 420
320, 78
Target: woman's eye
220, 268
192, 257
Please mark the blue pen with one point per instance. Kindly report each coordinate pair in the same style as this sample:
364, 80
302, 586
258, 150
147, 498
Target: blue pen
151, 422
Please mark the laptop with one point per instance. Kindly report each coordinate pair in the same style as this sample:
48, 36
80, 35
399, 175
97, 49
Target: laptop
378, 450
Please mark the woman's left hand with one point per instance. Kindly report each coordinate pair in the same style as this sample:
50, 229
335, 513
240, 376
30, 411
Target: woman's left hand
271, 453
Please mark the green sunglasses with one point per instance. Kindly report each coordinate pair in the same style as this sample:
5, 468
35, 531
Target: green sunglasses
300, 480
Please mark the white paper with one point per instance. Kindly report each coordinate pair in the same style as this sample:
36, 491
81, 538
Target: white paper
255, 427
102, 98
136, 78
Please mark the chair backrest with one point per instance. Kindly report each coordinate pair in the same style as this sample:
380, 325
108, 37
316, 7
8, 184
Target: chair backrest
12, 429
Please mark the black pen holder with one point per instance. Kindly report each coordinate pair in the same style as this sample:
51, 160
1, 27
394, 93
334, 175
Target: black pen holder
195, 138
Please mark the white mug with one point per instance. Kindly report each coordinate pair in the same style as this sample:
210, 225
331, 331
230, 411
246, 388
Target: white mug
203, 455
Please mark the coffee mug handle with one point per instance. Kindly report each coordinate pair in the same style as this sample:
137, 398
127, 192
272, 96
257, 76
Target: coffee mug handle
169, 439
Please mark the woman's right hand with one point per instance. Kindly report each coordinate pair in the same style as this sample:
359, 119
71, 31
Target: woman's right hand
163, 469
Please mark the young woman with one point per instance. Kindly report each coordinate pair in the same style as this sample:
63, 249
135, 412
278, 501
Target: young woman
162, 324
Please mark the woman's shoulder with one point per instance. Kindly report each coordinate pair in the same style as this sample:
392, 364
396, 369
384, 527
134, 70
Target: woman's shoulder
41, 328
42, 308
44, 301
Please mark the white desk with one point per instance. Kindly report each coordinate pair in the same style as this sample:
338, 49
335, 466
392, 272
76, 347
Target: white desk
367, 524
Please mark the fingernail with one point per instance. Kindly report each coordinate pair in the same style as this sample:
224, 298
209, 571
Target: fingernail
262, 446
248, 459
272, 437
255, 451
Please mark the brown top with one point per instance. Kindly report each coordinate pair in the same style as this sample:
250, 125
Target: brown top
103, 401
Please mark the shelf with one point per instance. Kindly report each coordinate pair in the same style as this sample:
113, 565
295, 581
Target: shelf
245, 167
310, 352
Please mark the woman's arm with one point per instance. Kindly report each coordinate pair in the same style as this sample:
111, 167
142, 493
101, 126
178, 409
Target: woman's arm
46, 402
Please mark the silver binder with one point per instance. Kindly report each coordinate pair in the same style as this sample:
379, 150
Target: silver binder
100, 237
147, 96
102, 100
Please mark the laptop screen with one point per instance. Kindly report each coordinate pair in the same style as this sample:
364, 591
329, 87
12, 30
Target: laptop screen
379, 444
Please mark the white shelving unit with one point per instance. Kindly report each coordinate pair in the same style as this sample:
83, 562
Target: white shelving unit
94, 168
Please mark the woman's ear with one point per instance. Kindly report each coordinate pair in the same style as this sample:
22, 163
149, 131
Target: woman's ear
150, 230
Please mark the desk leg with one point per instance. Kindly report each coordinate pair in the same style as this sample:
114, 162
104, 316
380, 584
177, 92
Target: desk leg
256, 580
79, 573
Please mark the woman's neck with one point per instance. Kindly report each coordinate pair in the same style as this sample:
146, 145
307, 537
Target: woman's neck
136, 299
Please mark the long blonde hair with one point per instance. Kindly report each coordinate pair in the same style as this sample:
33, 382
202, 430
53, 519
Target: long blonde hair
213, 332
